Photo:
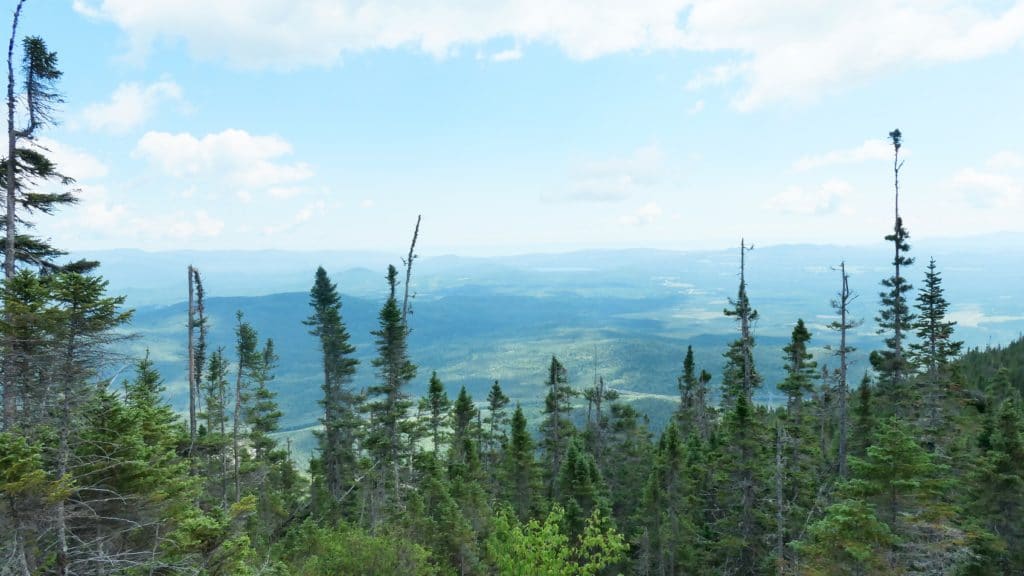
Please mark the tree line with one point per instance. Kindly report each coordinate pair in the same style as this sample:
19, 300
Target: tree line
917, 468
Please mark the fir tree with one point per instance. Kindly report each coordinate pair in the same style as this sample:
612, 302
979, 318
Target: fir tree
213, 434
520, 481
336, 461
863, 419
436, 404
800, 370
556, 429
740, 375
997, 494
581, 490
246, 342
842, 325
934, 352
497, 419
669, 504
389, 406
894, 318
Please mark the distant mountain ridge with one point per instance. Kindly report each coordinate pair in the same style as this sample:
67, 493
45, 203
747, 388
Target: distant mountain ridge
626, 315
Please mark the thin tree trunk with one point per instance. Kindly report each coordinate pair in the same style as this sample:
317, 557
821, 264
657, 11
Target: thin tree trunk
844, 301
192, 384
20, 553
780, 519
237, 416
408, 269
9, 393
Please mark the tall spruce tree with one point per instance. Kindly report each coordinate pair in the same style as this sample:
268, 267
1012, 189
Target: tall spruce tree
436, 405
389, 407
497, 418
894, 318
843, 324
247, 360
556, 428
336, 460
740, 375
934, 353
24, 167
520, 481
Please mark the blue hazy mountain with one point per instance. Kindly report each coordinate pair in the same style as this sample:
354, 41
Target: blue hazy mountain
625, 315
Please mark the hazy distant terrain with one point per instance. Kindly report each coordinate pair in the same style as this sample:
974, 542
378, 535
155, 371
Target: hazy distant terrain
625, 315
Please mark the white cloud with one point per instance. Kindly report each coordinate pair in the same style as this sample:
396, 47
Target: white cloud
198, 224
869, 150
235, 155
1005, 160
796, 49
613, 179
508, 55
973, 317
367, 203
304, 214
284, 192
70, 161
697, 107
643, 216
780, 50
825, 200
130, 106
988, 189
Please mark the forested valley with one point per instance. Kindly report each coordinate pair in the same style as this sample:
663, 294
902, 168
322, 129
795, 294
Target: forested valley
913, 466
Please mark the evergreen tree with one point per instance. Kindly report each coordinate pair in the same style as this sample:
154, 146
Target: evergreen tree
246, 342
213, 433
691, 400
842, 325
848, 540
334, 468
464, 415
520, 481
496, 436
897, 474
997, 494
797, 456
933, 353
800, 371
581, 491
669, 505
894, 319
740, 375
626, 467
556, 429
436, 404
389, 407
863, 419
741, 529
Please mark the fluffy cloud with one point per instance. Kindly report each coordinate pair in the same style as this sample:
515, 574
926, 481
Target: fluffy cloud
129, 106
779, 50
869, 150
983, 189
825, 200
643, 216
234, 155
612, 179
304, 214
71, 161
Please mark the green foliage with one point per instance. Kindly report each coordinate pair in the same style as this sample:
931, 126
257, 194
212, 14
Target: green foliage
556, 428
543, 549
313, 550
899, 475
849, 539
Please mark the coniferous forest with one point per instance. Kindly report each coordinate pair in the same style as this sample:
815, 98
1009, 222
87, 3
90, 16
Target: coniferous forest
913, 466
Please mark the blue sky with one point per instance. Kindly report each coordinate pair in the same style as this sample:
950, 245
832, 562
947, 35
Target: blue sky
524, 125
